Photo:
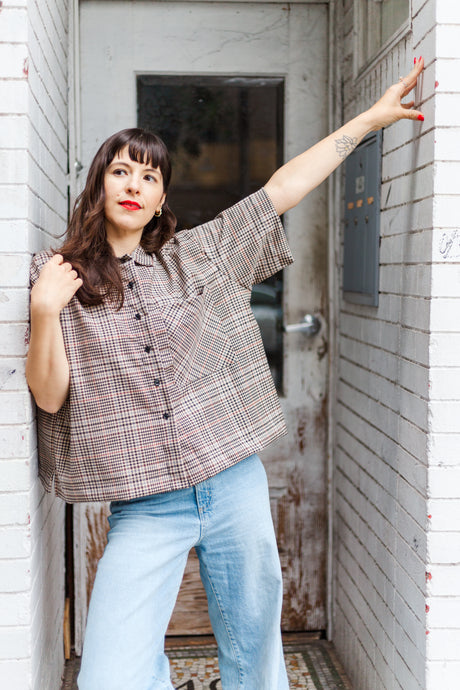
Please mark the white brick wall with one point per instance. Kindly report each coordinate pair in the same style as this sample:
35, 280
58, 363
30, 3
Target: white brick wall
33, 208
397, 399
443, 589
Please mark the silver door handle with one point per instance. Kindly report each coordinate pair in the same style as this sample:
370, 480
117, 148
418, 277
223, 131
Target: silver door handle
310, 325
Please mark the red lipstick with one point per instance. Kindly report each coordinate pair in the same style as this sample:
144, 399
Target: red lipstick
130, 205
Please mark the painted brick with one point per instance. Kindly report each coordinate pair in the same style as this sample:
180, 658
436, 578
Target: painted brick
445, 383
15, 674
442, 674
418, 5
15, 442
444, 547
14, 476
446, 77
13, 167
14, 509
443, 645
13, 235
13, 97
443, 612
15, 609
14, 542
445, 515
447, 12
446, 143
445, 349
14, 642
444, 482
12, 339
444, 209
446, 245
13, 25
14, 304
13, 61
443, 449
446, 283
444, 418
16, 407
14, 575
14, 133
14, 204
12, 372
424, 20
447, 41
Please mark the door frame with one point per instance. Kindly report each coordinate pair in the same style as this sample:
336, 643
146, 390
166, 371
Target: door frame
333, 207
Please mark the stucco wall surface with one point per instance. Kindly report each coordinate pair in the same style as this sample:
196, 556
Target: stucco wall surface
33, 210
397, 480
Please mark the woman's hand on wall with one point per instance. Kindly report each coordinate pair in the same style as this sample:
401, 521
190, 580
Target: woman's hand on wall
57, 284
389, 108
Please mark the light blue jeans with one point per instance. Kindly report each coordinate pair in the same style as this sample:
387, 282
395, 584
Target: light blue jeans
227, 518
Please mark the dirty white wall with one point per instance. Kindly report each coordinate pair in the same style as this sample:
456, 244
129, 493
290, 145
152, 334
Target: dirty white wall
396, 574
33, 210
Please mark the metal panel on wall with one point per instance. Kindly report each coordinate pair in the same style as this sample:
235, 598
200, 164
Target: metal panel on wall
362, 222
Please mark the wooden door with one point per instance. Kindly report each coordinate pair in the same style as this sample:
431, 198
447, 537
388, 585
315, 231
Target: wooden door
119, 43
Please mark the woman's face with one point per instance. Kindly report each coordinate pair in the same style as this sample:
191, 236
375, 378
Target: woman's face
133, 192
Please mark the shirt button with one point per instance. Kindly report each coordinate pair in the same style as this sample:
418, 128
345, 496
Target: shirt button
130, 284
165, 415
147, 349
156, 382
138, 317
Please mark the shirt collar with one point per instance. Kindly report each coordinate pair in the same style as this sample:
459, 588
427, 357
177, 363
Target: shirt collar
140, 256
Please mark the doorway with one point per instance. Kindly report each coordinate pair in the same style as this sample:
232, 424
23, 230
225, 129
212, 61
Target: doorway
240, 49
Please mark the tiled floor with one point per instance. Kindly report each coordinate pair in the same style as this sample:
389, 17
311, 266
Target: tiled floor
311, 665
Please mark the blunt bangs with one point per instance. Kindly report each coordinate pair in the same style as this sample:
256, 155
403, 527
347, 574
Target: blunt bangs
143, 147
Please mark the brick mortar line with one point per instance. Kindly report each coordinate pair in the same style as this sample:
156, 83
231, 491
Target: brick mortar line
390, 438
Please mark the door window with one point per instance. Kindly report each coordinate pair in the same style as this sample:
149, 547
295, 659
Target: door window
225, 135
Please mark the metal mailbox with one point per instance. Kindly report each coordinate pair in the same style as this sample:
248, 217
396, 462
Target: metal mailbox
362, 222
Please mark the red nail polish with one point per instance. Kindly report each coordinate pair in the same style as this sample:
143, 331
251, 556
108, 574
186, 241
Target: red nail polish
415, 60
420, 117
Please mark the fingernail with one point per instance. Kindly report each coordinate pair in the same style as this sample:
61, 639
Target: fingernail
415, 60
420, 58
420, 117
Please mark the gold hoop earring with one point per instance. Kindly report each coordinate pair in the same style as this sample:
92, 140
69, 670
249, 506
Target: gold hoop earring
157, 214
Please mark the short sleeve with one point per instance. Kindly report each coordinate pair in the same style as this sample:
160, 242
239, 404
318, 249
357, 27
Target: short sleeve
36, 265
247, 241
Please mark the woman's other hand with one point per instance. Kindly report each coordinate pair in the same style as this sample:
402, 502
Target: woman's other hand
57, 284
389, 108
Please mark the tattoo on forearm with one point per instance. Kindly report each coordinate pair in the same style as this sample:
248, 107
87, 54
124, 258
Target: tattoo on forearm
345, 145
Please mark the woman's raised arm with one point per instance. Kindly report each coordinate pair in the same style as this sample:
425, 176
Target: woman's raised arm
294, 180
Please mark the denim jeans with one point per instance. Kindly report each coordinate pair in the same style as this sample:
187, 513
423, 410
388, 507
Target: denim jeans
227, 519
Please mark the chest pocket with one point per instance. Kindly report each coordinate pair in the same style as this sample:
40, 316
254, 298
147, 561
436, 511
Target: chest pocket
199, 345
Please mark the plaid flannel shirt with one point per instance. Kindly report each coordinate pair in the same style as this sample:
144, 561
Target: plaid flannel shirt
174, 387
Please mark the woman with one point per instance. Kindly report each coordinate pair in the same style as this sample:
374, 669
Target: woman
153, 393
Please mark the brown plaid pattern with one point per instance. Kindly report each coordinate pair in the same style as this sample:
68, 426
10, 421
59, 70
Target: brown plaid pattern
175, 386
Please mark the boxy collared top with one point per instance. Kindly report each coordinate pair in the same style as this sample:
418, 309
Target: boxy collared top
173, 387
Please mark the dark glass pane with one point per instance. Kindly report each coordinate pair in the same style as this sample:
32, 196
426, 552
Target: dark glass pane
225, 136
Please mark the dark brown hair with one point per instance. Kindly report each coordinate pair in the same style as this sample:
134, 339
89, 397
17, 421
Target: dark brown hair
86, 246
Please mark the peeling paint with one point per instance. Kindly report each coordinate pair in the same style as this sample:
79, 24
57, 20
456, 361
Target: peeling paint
98, 527
25, 67
322, 349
